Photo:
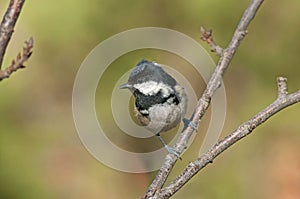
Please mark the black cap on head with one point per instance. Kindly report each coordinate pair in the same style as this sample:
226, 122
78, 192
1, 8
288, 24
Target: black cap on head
150, 71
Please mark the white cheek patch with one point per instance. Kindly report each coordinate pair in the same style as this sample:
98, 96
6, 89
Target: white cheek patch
144, 111
152, 88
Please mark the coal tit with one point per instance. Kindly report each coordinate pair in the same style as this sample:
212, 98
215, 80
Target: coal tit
160, 102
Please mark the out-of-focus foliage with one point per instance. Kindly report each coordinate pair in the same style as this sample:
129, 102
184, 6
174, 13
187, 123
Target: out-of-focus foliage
41, 155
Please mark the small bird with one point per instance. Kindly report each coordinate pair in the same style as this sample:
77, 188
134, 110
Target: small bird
160, 102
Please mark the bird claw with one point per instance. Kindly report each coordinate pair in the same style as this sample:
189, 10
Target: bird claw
169, 149
173, 151
190, 123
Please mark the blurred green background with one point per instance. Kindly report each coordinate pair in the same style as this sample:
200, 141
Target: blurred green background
41, 155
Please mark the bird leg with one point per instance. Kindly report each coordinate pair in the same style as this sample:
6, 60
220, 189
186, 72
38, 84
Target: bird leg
168, 148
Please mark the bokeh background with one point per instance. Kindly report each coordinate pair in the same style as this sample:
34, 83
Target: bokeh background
41, 155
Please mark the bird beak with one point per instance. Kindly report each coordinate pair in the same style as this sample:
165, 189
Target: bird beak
123, 86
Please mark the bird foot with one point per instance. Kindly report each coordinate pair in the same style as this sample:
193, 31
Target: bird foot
190, 123
173, 151
168, 148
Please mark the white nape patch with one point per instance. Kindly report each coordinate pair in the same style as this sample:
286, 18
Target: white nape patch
156, 64
152, 88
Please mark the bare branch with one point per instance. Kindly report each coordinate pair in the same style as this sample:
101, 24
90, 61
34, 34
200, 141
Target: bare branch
18, 63
7, 25
203, 103
283, 100
207, 36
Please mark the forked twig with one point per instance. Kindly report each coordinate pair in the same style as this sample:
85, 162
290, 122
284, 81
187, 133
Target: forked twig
18, 63
204, 102
6, 30
283, 100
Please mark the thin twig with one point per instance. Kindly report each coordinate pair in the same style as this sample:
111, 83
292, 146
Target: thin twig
282, 86
7, 25
203, 103
206, 35
282, 101
18, 63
